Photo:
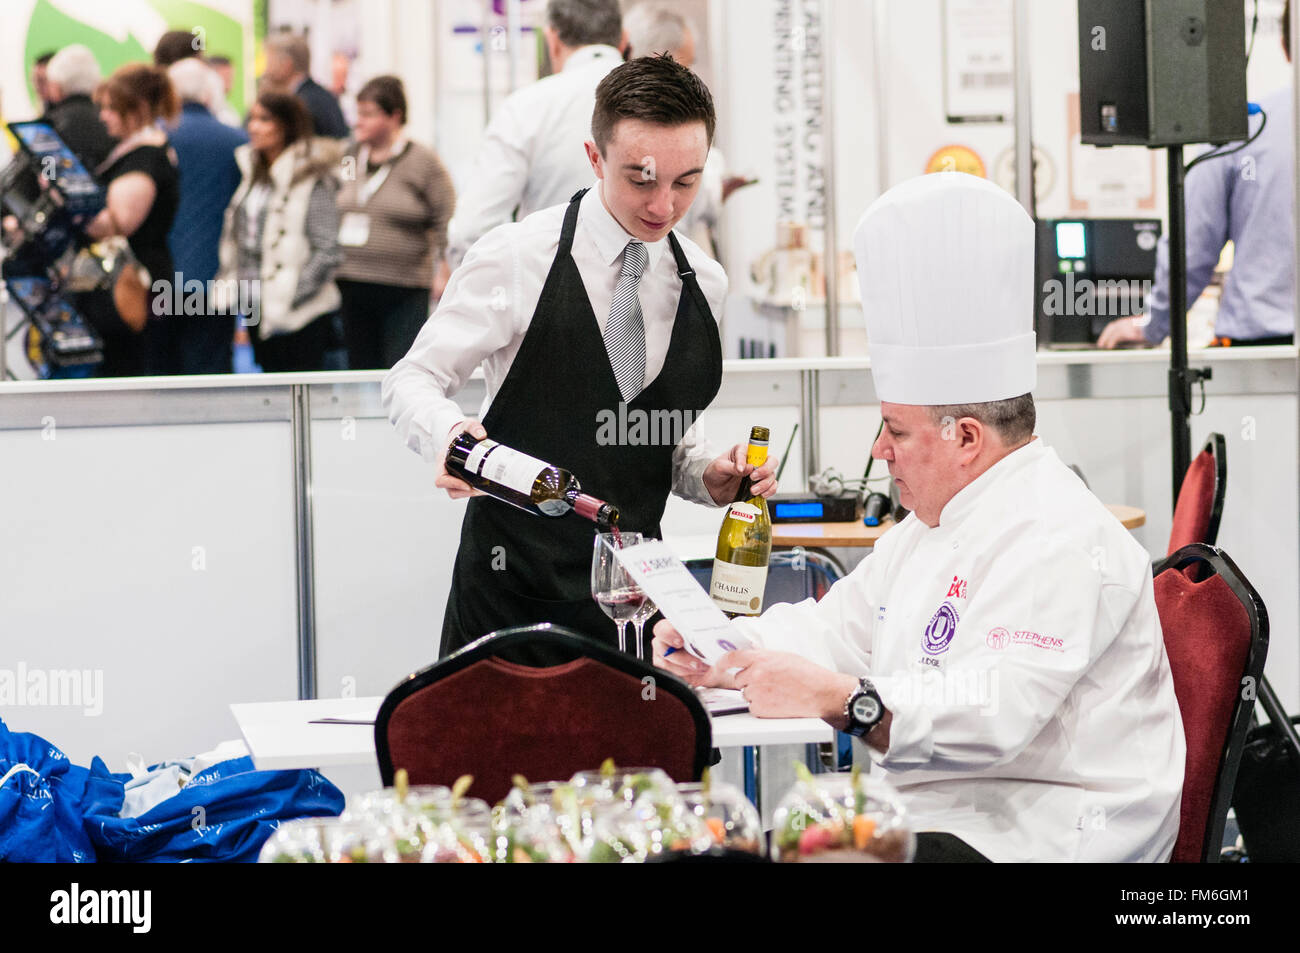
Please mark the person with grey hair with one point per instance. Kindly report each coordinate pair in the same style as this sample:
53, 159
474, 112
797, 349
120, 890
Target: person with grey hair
205, 153
72, 76
191, 79
532, 155
654, 28
288, 66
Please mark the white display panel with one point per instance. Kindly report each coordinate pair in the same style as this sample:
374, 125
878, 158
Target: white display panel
385, 543
158, 559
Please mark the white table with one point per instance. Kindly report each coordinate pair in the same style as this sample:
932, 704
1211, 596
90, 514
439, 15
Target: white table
280, 734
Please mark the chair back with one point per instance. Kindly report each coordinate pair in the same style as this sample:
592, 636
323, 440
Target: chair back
793, 575
1216, 637
1200, 499
474, 712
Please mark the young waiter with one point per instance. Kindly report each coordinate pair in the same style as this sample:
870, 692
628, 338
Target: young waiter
571, 312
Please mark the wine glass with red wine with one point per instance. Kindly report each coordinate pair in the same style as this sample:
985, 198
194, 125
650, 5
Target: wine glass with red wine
617, 593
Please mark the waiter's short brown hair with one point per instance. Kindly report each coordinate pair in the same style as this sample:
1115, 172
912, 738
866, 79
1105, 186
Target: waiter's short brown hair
654, 89
1014, 418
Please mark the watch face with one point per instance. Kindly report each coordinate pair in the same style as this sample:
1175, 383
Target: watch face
866, 709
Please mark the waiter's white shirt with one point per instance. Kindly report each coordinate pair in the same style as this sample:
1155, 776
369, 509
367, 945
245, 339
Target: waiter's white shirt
1047, 728
488, 306
532, 155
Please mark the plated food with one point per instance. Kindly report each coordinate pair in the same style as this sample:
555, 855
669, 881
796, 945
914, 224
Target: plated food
607, 815
836, 818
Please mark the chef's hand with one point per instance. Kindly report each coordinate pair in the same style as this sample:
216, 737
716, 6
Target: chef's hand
785, 685
457, 488
722, 476
682, 663
1123, 331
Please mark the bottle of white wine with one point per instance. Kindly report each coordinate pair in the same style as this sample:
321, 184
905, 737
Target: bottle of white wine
744, 543
523, 481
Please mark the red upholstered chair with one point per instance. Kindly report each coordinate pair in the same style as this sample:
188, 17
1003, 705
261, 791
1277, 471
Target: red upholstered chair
1200, 499
1216, 636
476, 713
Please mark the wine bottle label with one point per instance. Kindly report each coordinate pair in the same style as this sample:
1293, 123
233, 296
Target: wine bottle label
745, 512
756, 455
509, 468
474, 461
738, 588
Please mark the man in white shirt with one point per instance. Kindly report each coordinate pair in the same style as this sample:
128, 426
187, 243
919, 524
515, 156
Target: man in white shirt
580, 315
999, 651
532, 156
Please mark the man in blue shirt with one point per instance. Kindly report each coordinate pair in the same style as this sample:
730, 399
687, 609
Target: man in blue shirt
205, 152
1246, 198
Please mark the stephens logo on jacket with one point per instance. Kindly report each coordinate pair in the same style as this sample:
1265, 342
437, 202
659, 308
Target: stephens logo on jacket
940, 631
1000, 638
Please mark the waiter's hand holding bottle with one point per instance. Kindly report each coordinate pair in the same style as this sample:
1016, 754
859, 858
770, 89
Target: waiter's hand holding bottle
456, 488
722, 477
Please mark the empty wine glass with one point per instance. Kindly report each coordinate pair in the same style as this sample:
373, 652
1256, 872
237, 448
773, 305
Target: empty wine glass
617, 593
638, 623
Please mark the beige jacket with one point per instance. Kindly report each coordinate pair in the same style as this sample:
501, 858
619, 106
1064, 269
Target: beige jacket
285, 248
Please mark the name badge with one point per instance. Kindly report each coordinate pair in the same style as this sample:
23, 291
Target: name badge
354, 229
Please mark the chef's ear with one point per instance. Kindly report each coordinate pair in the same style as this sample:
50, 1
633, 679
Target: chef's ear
972, 435
594, 157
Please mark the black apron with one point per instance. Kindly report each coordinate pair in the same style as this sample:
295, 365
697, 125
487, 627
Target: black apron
519, 568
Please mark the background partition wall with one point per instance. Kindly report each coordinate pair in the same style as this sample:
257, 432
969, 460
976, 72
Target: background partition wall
151, 535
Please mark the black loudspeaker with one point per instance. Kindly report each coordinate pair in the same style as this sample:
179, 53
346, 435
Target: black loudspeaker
1162, 72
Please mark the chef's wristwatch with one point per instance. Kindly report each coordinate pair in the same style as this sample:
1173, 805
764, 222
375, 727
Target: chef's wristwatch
864, 709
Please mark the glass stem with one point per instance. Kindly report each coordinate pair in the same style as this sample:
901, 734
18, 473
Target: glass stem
639, 624
622, 635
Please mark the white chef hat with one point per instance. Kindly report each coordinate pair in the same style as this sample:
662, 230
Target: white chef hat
946, 265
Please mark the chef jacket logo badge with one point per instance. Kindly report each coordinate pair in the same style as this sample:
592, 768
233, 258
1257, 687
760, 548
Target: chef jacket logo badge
958, 588
939, 633
998, 638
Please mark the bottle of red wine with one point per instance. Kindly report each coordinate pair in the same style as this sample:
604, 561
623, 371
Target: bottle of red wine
523, 481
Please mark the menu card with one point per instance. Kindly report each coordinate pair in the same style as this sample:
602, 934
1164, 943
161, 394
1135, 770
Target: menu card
708, 633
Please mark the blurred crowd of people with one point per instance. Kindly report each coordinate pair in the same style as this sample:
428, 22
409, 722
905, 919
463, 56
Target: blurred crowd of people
323, 247
270, 228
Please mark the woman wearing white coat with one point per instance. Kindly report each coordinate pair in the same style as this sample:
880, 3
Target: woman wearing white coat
280, 237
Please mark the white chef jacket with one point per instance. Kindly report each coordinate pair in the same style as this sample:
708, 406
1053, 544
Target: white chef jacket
532, 155
1018, 647
488, 306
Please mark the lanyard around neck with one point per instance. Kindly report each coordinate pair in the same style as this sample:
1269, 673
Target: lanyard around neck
369, 184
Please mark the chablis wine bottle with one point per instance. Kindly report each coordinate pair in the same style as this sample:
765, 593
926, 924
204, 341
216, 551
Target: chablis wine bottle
523, 481
744, 543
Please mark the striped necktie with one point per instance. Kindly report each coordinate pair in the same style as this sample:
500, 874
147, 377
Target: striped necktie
625, 330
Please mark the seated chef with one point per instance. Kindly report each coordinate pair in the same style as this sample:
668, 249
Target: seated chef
999, 651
